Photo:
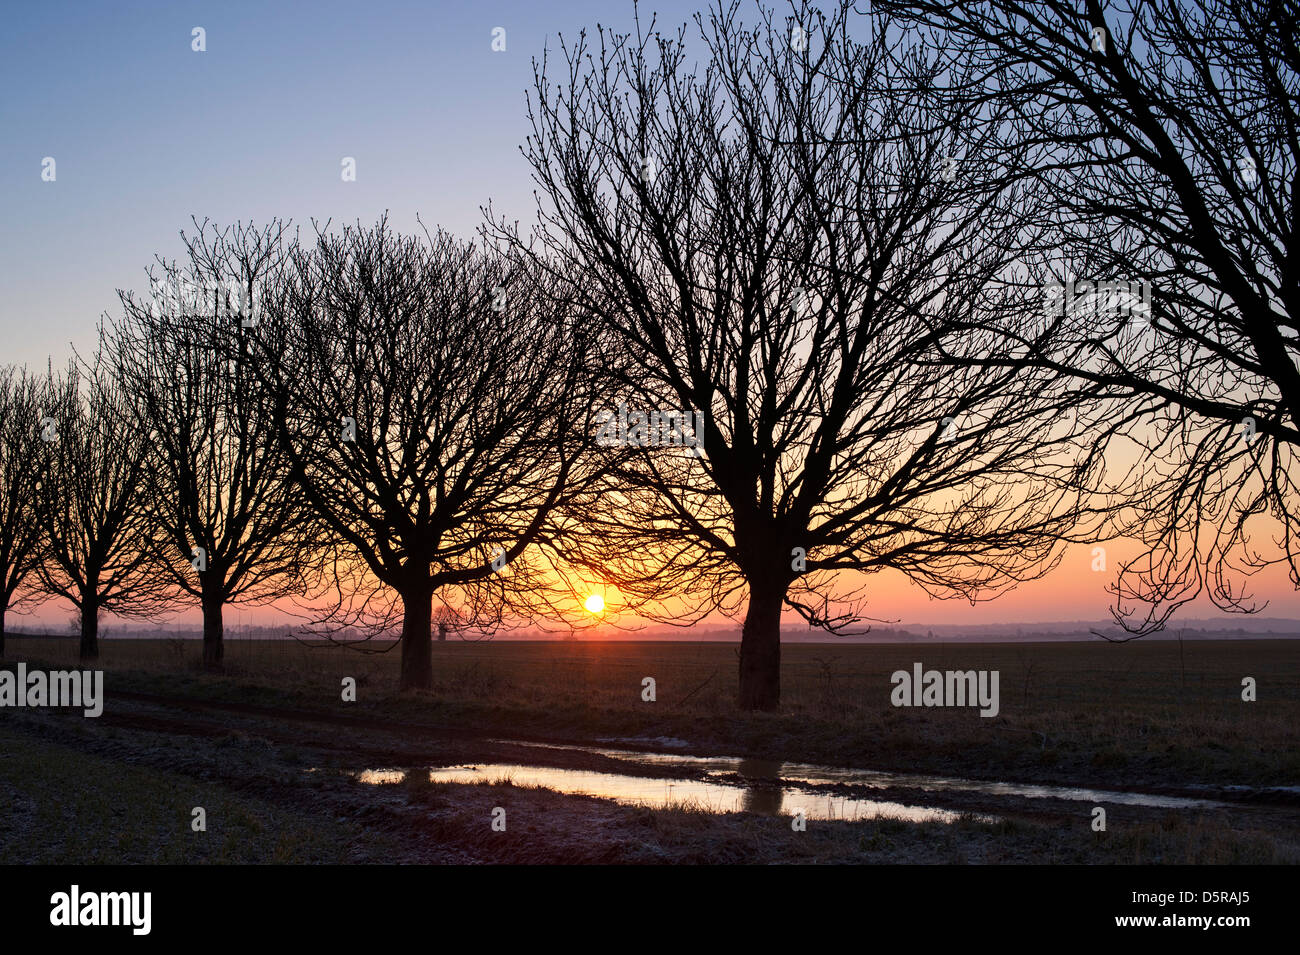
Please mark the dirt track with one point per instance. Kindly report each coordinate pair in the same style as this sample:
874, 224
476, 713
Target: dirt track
445, 745
267, 751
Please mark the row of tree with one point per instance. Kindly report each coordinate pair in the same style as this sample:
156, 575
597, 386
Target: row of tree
849, 244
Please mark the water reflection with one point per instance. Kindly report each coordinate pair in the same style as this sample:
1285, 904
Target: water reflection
766, 799
763, 787
809, 774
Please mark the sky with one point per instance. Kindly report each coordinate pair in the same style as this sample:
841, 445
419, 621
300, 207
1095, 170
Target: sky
146, 132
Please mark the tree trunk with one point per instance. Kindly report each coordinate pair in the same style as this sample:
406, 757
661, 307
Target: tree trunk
214, 648
760, 649
4, 607
89, 628
417, 642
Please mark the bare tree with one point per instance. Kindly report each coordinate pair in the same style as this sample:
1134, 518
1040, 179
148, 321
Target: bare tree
22, 405
779, 243
91, 503
433, 411
231, 527
1170, 135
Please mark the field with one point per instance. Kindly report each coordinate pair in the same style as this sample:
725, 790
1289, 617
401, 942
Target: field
274, 746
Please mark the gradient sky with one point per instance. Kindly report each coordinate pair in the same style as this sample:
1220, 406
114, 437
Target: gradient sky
146, 133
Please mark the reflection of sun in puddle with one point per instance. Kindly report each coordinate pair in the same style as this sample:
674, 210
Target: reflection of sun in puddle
382, 777
793, 774
763, 787
674, 793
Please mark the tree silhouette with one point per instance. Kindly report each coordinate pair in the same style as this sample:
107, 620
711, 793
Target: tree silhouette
780, 244
22, 406
230, 526
1169, 135
433, 412
91, 503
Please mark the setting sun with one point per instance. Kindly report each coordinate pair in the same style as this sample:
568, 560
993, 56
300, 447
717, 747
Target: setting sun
595, 603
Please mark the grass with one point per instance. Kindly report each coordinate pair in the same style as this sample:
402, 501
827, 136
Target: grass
274, 790
1088, 713
63, 806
